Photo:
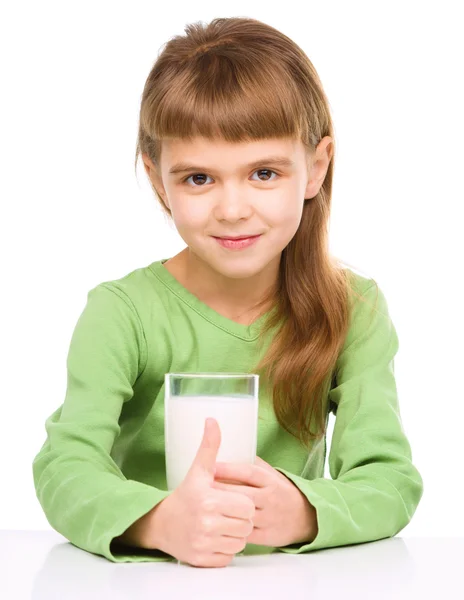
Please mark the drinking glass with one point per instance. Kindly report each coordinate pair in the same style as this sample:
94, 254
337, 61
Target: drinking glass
189, 399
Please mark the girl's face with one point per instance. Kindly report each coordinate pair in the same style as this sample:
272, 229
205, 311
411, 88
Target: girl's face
230, 189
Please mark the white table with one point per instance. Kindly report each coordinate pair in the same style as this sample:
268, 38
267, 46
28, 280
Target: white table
43, 565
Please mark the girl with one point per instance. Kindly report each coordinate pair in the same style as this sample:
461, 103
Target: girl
237, 140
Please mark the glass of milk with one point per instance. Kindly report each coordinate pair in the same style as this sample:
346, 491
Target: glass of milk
189, 399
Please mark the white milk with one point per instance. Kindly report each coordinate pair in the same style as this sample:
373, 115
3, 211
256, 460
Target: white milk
184, 423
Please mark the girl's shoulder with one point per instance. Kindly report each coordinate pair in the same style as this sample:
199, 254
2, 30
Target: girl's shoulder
139, 288
359, 282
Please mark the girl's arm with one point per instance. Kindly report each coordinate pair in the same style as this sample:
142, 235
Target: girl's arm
81, 489
375, 488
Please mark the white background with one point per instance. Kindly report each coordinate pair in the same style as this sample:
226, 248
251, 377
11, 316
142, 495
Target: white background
73, 213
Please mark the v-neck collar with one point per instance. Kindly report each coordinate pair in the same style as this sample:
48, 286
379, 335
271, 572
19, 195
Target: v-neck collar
245, 332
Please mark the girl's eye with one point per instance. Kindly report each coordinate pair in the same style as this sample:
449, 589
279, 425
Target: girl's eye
203, 175
266, 171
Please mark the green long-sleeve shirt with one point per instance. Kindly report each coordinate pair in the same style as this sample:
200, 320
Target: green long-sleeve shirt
102, 465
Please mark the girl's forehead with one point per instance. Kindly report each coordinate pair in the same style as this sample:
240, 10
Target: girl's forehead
182, 155
175, 146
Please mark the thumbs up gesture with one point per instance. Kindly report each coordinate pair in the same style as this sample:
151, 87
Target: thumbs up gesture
197, 523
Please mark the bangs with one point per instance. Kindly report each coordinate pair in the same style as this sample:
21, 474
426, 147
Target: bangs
214, 97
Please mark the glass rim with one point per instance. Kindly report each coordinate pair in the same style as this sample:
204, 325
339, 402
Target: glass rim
214, 375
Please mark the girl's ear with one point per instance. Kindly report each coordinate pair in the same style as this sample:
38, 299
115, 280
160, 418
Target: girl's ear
320, 164
155, 178
147, 163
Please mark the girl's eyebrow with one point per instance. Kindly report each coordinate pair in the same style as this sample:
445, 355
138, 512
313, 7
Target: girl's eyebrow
283, 161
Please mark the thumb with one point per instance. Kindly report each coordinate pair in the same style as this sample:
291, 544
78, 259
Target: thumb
206, 456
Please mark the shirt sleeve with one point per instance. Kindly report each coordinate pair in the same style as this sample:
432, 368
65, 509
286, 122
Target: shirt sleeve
82, 491
374, 488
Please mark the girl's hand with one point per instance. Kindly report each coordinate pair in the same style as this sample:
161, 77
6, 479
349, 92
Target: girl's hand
196, 523
283, 514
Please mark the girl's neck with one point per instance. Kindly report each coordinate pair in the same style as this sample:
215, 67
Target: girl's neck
232, 298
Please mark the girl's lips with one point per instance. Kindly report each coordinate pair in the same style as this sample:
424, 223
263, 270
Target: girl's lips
237, 244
